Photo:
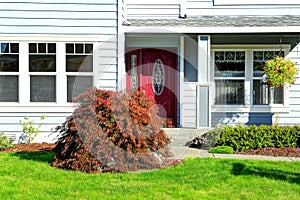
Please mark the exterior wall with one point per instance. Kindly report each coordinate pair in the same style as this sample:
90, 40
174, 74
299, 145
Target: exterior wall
211, 7
189, 105
68, 17
153, 9
171, 8
59, 22
11, 127
293, 117
231, 118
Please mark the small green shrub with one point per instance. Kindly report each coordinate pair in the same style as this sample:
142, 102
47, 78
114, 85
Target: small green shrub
29, 129
5, 143
222, 150
245, 137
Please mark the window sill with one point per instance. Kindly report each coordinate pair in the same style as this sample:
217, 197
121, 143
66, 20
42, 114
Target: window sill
276, 108
36, 107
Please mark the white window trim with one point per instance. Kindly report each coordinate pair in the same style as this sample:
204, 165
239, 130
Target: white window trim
249, 107
61, 104
12, 73
89, 74
255, 2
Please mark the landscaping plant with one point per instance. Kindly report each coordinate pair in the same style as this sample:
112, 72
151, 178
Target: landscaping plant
112, 131
242, 137
31, 130
222, 150
280, 72
5, 143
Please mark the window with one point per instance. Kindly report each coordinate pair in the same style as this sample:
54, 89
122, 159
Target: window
229, 76
190, 60
47, 73
79, 68
9, 72
239, 80
42, 71
262, 94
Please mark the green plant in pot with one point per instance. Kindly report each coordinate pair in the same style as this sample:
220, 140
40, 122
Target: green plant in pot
280, 72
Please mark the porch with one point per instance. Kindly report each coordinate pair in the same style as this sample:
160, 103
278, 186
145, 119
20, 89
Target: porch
198, 89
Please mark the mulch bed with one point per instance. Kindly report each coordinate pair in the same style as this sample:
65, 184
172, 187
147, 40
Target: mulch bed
271, 151
35, 147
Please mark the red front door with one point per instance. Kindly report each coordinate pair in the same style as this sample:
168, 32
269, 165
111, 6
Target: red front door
154, 71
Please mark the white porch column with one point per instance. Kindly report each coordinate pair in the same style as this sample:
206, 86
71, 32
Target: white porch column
203, 92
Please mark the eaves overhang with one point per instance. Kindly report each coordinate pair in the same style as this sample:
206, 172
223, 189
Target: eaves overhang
212, 30
217, 24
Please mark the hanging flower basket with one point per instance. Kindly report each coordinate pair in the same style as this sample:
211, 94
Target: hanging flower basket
280, 72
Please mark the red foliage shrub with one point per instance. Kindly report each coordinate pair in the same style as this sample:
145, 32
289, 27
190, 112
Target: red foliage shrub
112, 131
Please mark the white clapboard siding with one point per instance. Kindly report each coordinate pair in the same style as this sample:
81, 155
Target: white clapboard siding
189, 106
171, 8
62, 20
207, 7
10, 124
50, 15
153, 8
62, 17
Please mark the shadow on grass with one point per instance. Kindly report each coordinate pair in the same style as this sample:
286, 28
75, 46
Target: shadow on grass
39, 156
240, 169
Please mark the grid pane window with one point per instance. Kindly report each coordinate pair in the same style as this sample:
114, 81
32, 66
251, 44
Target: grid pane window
9, 88
262, 94
229, 77
79, 60
76, 85
9, 69
79, 63
42, 88
230, 92
42, 68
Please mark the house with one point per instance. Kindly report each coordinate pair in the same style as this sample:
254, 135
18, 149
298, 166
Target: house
200, 59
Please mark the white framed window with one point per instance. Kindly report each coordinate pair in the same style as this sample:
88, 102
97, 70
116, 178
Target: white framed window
42, 72
79, 68
45, 73
262, 94
9, 72
229, 75
238, 79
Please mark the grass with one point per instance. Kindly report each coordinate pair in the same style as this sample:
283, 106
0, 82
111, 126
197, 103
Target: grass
29, 176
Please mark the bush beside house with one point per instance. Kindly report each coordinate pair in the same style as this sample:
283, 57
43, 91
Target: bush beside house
250, 137
112, 131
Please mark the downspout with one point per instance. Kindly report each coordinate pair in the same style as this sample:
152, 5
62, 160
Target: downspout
182, 12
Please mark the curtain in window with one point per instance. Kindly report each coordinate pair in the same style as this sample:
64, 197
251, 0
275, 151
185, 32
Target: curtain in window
230, 92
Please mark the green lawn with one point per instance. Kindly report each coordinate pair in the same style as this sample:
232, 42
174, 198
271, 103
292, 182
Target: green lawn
29, 176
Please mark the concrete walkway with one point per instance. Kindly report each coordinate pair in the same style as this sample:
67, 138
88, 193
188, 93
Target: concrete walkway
179, 147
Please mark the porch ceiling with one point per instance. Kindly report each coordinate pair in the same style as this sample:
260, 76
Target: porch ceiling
221, 21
